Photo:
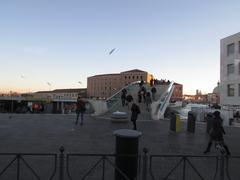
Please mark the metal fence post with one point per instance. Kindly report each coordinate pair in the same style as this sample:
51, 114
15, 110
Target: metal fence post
221, 172
61, 163
144, 166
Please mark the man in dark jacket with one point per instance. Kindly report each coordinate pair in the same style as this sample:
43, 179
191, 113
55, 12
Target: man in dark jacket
80, 109
135, 111
129, 99
123, 96
153, 90
216, 133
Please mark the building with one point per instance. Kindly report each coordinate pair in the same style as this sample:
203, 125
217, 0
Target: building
105, 85
60, 94
177, 94
230, 72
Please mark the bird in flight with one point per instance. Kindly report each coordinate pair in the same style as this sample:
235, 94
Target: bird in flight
112, 51
49, 83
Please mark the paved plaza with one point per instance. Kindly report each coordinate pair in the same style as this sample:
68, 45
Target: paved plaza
41, 133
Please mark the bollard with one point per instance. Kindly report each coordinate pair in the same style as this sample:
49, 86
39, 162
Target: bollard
61, 163
126, 159
173, 122
144, 167
177, 123
191, 122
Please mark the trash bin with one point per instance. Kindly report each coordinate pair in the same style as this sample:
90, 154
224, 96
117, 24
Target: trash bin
126, 149
209, 121
191, 121
175, 122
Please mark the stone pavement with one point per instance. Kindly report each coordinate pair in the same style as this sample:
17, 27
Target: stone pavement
42, 133
46, 133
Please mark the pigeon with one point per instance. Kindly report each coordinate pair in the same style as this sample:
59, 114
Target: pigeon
111, 51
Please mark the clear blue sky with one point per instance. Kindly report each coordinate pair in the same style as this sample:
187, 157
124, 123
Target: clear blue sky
65, 41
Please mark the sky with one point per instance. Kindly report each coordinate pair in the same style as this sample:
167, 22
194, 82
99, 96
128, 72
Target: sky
52, 44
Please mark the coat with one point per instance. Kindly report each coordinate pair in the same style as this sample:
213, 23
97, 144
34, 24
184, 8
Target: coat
135, 111
217, 131
80, 106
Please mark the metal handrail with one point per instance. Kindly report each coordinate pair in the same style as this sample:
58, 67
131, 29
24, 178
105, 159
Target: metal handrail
19, 157
185, 159
222, 164
103, 158
125, 87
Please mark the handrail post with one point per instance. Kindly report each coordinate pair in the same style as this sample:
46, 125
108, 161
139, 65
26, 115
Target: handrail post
144, 166
18, 166
184, 167
221, 172
61, 163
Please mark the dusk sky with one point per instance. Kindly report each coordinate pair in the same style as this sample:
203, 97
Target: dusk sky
62, 42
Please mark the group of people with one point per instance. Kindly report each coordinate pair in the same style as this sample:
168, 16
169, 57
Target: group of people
216, 132
143, 96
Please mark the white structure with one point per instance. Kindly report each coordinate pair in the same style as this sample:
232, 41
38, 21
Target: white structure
230, 72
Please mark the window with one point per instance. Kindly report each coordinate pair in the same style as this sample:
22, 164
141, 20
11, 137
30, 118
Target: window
129, 77
239, 68
230, 90
133, 77
238, 89
239, 46
230, 69
230, 49
125, 77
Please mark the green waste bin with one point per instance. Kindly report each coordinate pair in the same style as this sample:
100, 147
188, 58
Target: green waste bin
126, 148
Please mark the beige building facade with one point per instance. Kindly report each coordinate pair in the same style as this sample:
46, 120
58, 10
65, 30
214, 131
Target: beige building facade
230, 71
105, 85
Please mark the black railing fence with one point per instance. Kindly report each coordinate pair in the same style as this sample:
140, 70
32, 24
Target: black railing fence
63, 166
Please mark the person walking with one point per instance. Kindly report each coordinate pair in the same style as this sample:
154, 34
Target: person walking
216, 133
148, 101
80, 110
144, 91
139, 96
135, 111
129, 99
123, 97
153, 91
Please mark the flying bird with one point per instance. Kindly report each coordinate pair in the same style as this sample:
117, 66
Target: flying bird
22, 76
112, 51
49, 83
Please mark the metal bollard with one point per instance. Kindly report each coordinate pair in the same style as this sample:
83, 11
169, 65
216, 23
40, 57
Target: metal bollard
61, 163
144, 167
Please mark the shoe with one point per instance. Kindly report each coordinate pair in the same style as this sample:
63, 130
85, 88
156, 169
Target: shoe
205, 152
